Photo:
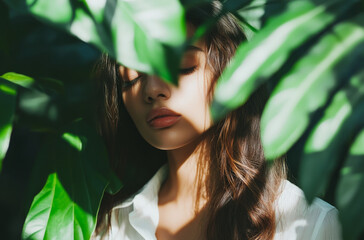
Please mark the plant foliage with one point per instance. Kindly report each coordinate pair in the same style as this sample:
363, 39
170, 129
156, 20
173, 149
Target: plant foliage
309, 54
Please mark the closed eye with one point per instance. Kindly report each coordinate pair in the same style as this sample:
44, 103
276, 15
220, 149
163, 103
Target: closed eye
186, 71
125, 85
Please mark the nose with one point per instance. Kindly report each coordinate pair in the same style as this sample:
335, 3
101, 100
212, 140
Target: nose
155, 88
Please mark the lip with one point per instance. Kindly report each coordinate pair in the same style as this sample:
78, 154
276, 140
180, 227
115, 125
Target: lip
162, 118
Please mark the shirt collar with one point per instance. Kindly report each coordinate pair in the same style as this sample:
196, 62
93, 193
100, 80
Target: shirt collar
144, 216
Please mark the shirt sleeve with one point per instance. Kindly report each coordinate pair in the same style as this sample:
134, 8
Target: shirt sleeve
297, 220
329, 228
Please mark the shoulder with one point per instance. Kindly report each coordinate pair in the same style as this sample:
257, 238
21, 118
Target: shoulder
296, 219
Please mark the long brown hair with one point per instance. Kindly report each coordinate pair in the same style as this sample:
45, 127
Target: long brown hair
239, 186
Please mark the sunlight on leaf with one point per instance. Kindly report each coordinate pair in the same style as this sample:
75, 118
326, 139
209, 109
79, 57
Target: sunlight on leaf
258, 59
7, 111
50, 207
67, 206
327, 129
350, 195
59, 11
83, 27
97, 7
152, 26
8, 90
337, 126
18, 79
358, 146
335, 115
155, 29
306, 88
252, 15
73, 140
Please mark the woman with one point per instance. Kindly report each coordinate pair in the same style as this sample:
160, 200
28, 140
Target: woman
216, 183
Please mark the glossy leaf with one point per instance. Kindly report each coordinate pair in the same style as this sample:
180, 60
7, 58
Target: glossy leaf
7, 111
307, 87
66, 207
326, 146
18, 79
152, 26
53, 201
73, 140
256, 61
350, 194
155, 29
252, 15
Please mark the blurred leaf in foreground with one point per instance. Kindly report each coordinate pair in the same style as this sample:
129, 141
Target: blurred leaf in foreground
326, 145
350, 194
155, 29
256, 61
308, 86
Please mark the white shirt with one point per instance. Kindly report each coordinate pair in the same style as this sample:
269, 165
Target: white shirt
137, 217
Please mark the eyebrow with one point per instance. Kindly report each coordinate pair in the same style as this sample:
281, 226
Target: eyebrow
193, 48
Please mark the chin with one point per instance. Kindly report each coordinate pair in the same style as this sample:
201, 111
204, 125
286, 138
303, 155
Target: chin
173, 142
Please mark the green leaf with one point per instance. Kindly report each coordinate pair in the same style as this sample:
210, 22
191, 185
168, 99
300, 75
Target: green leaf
327, 143
155, 29
52, 207
251, 16
350, 194
151, 25
18, 79
73, 140
259, 59
250, 19
67, 206
7, 110
307, 87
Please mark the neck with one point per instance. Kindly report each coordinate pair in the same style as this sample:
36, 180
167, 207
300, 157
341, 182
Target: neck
180, 185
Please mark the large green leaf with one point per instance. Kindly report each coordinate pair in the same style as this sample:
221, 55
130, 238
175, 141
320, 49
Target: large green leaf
155, 29
53, 201
67, 206
350, 194
257, 60
150, 25
307, 87
7, 110
327, 143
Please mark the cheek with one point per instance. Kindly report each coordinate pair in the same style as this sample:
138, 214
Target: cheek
195, 102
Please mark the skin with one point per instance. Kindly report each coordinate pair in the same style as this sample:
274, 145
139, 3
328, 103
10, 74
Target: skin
187, 99
181, 140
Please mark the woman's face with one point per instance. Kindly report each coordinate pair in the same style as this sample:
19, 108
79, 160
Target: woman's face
167, 116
